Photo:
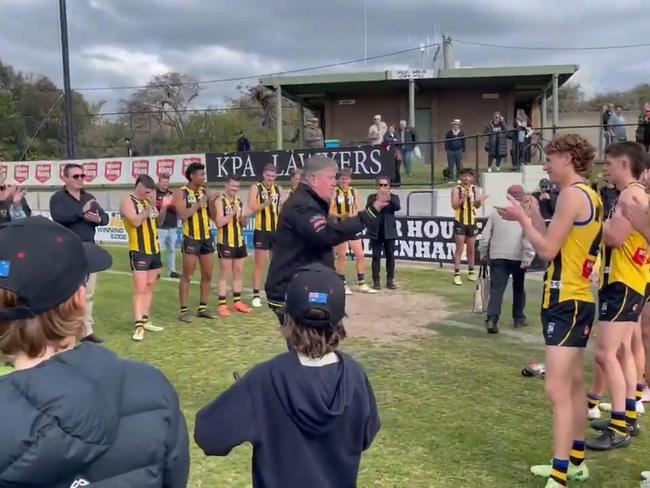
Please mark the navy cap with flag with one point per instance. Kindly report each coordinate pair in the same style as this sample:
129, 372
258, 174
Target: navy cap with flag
316, 286
44, 264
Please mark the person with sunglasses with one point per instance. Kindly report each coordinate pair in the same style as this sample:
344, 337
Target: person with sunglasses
75, 208
383, 235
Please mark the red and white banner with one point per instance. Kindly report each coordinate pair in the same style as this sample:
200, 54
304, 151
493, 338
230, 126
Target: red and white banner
99, 172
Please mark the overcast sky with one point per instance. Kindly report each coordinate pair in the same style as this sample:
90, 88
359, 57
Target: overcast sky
126, 42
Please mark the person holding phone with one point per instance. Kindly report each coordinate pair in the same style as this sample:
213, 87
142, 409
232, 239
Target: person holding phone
78, 210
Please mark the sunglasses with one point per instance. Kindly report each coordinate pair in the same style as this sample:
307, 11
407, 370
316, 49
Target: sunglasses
79, 176
383, 185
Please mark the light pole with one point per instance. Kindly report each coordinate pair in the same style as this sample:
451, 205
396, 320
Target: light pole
69, 122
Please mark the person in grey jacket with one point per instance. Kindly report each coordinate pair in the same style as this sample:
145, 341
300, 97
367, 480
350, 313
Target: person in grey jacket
75, 415
509, 254
616, 126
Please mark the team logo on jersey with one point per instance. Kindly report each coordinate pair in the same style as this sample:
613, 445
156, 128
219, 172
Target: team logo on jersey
587, 268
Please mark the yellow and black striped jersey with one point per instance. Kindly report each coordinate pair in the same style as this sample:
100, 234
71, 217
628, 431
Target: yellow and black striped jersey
466, 213
266, 219
344, 202
627, 264
231, 234
198, 225
568, 276
144, 238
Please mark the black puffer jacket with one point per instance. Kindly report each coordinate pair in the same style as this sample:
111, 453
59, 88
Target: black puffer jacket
87, 415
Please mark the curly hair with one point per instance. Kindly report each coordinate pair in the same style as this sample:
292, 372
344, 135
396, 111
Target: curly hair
581, 151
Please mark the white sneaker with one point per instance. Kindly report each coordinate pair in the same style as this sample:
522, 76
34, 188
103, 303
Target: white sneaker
498, 169
593, 413
348, 291
257, 302
640, 407
489, 169
366, 289
138, 334
605, 407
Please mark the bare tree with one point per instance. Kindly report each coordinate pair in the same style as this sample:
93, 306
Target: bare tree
162, 103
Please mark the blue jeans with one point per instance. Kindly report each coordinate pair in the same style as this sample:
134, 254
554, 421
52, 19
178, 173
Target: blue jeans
407, 156
454, 163
168, 243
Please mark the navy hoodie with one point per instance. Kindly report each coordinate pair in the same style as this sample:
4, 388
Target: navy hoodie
308, 425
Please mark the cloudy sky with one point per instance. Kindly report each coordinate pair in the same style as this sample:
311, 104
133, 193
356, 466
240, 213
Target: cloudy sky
125, 42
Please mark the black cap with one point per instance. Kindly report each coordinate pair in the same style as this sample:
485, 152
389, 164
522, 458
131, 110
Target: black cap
544, 182
316, 287
44, 264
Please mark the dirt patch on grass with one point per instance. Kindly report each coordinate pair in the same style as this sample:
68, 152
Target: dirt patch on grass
393, 315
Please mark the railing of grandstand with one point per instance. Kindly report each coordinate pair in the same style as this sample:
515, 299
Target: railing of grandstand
529, 151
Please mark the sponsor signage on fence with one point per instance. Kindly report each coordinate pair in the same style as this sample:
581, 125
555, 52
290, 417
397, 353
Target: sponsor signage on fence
107, 171
366, 162
425, 239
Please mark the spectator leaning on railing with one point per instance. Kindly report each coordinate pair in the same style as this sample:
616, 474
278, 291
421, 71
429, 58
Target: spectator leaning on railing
616, 126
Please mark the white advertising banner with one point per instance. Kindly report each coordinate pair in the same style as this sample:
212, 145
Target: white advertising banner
107, 171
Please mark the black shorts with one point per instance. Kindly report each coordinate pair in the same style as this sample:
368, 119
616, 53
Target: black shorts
647, 293
464, 230
263, 239
227, 252
197, 247
619, 303
568, 323
140, 261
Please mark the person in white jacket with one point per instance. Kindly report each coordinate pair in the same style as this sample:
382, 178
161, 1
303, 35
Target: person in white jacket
509, 254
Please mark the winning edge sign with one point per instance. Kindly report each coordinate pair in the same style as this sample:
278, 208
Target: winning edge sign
366, 162
425, 239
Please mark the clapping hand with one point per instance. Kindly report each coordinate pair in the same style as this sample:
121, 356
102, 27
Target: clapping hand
513, 212
18, 195
636, 212
382, 200
167, 201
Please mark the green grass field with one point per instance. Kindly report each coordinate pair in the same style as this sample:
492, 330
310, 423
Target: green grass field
455, 410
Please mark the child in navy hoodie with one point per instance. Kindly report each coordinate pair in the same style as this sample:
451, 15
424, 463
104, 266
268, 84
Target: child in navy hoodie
310, 412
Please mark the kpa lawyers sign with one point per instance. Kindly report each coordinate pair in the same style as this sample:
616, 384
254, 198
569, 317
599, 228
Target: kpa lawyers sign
425, 239
366, 162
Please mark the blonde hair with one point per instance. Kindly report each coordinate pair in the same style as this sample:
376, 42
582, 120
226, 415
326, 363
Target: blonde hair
32, 336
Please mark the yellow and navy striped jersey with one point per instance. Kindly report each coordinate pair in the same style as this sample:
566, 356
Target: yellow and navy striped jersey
290, 192
231, 234
627, 264
198, 225
267, 218
466, 213
344, 202
144, 238
568, 275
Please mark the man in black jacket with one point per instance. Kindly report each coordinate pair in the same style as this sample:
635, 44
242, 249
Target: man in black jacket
305, 234
75, 208
75, 415
455, 147
547, 198
309, 413
383, 235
